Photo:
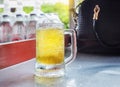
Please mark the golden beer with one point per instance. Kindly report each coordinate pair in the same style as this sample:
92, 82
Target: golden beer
50, 46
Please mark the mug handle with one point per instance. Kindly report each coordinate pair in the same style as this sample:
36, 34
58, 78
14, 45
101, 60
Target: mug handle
73, 46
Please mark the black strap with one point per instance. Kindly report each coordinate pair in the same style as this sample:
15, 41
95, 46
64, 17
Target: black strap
95, 18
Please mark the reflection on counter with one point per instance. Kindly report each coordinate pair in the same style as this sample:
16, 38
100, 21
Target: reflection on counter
55, 82
50, 82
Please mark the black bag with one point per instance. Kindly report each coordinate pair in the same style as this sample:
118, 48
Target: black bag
99, 26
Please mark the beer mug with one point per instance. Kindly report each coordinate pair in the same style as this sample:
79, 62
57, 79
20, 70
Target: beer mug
50, 49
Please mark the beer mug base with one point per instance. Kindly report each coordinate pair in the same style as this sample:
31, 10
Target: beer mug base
49, 70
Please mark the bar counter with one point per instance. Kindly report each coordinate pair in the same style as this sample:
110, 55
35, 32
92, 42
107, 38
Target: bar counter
87, 70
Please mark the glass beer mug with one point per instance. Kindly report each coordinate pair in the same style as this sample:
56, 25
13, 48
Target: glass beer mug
50, 50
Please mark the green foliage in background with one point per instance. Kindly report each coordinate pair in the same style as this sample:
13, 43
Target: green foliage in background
1, 10
79, 1
28, 9
59, 8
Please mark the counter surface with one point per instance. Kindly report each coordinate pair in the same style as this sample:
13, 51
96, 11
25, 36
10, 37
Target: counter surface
87, 70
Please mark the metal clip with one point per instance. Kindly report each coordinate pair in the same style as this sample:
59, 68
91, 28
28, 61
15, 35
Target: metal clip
96, 12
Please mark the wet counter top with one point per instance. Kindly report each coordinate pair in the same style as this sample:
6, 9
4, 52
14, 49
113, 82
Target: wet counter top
87, 70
